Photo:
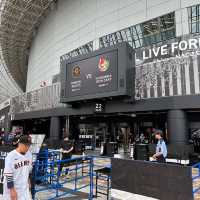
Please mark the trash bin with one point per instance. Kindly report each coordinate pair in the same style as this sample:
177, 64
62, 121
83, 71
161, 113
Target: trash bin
141, 152
112, 148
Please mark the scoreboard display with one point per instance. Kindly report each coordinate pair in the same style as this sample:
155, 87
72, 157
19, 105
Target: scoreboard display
94, 75
107, 72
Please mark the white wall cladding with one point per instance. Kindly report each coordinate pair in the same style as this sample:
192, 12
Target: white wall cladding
75, 22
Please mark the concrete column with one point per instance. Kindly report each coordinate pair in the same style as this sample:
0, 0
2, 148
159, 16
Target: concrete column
177, 129
55, 128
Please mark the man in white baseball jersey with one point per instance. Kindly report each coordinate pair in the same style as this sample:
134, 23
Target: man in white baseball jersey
18, 165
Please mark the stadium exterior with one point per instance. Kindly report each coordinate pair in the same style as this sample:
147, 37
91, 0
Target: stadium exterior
164, 34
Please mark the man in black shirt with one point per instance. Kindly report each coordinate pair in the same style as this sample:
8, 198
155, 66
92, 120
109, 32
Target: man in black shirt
66, 150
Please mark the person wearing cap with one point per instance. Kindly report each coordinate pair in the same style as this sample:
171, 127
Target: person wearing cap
18, 165
161, 149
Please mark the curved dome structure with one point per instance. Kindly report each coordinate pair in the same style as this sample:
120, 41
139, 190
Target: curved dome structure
19, 22
8, 86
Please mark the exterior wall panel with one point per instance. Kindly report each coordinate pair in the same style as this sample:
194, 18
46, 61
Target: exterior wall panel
74, 23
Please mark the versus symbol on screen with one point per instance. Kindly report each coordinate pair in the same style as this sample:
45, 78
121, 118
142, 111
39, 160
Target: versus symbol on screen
103, 64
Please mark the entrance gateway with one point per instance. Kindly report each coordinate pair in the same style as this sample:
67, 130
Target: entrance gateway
95, 80
100, 87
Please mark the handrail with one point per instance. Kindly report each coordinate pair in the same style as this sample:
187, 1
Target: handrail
52, 173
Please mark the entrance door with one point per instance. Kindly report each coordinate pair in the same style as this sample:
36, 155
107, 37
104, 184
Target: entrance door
92, 135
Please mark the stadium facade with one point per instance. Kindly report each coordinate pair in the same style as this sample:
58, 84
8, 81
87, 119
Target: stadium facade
164, 35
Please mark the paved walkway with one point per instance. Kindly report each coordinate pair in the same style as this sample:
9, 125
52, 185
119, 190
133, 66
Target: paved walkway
115, 194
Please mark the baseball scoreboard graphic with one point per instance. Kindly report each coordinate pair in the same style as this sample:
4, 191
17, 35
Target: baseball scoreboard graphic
103, 73
93, 75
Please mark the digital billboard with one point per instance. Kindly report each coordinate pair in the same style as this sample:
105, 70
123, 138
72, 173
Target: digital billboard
94, 75
105, 73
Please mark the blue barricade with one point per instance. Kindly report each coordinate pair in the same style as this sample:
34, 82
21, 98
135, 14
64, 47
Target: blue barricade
196, 178
47, 174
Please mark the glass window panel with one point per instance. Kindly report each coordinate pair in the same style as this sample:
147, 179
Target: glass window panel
150, 27
131, 43
101, 44
134, 33
164, 35
114, 39
169, 34
157, 37
167, 22
128, 33
147, 33
123, 35
194, 18
194, 28
137, 43
119, 36
194, 11
138, 29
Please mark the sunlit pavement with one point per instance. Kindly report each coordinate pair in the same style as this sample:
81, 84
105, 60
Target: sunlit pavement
115, 194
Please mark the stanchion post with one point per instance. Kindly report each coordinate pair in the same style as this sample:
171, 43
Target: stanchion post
91, 178
76, 177
199, 168
58, 176
108, 187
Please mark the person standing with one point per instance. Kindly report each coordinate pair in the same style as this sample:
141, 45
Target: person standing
161, 149
18, 165
66, 150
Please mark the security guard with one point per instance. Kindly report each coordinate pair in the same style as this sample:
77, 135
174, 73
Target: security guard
161, 149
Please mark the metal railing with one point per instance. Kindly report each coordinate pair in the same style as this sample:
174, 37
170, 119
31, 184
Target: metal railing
90, 174
47, 173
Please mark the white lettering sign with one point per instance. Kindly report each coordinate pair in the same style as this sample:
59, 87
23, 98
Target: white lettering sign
183, 45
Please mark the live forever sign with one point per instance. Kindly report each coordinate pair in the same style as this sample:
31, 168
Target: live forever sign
173, 49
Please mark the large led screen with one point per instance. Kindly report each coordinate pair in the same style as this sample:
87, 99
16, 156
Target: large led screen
97, 74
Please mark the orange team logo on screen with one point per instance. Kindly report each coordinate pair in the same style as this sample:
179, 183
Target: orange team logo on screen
76, 71
103, 64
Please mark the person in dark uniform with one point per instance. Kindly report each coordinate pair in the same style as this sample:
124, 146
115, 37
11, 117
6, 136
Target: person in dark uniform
66, 149
161, 149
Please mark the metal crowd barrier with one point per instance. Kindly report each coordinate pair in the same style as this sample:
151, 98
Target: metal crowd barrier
47, 174
102, 174
196, 190
84, 169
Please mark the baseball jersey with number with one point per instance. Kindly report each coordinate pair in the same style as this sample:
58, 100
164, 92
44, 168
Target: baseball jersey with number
18, 166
